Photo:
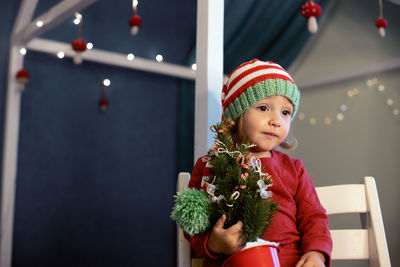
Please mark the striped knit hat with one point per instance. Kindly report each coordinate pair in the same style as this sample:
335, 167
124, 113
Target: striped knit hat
253, 81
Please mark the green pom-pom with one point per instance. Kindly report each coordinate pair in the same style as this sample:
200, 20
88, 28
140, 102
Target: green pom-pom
192, 211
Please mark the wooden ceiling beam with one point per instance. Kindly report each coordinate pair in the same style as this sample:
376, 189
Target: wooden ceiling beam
113, 58
54, 16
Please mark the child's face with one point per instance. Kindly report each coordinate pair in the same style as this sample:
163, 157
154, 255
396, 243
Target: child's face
267, 123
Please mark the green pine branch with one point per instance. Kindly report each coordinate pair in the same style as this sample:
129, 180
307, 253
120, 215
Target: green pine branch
255, 212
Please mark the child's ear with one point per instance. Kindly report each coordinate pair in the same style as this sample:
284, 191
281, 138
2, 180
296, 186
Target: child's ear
290, 143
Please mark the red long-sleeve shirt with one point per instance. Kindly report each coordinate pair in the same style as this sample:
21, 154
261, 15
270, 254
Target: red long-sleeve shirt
301, 223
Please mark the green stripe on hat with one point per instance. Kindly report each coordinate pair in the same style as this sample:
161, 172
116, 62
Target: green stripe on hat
262, 90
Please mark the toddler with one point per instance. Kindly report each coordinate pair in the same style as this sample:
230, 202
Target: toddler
259, 101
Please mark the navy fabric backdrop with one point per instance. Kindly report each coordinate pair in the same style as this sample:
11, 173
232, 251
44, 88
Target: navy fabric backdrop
95, 189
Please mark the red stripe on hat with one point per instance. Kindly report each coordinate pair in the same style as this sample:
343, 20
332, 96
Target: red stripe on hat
241, 66
223, 94
250, 71
252, 82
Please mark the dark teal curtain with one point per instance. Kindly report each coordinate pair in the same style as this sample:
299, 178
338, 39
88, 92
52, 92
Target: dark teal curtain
185, 129
268, 30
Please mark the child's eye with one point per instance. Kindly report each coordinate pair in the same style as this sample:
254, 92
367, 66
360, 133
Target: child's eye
287, 113
262, 108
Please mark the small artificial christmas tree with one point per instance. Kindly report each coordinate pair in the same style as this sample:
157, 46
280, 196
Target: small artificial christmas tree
236, 186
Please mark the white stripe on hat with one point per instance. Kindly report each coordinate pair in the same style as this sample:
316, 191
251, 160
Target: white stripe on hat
252, 76
256, 63
239, 70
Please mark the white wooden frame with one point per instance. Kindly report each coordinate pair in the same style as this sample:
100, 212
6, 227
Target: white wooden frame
208, 78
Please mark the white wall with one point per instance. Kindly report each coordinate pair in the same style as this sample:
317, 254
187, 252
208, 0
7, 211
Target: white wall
366, 142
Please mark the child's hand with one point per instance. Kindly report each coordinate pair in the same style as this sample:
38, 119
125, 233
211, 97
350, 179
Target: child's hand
225, 241
311, 259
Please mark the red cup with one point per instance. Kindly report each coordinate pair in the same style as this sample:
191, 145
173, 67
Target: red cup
258, 256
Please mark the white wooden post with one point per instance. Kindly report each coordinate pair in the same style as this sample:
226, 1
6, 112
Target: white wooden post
11, 131
209, 73
10, 148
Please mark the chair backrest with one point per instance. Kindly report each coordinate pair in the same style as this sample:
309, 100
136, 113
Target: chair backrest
183, 247
355, 244
348, 244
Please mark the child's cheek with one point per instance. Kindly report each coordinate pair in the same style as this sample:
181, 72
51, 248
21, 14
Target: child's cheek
287, 124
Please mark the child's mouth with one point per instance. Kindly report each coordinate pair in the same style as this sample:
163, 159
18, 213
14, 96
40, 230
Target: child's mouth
270, 134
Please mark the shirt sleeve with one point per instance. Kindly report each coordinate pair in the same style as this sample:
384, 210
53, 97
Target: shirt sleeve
312, 221
199, 241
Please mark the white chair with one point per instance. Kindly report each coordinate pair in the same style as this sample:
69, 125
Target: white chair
368, 243
349, 244
183, 257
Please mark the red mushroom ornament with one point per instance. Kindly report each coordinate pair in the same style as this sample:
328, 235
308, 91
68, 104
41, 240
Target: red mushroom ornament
22, 78
311, 11
381, 24
79, 46
103, 103
135, 23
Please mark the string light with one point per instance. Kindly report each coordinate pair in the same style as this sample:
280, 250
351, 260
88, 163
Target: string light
22, 51
39, 23
194, 66
374, 84
350, 93
135, 4
130, 56
328, 121
89, 45
340, 116
159, 58
389, 101
60, 54
106, 82
353, 92
78, 18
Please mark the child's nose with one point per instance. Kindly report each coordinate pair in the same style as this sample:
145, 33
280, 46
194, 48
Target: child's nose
274, 120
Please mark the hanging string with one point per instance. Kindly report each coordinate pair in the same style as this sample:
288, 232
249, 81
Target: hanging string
80, 30
78, 21
134, 6
103, 90
380, 9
